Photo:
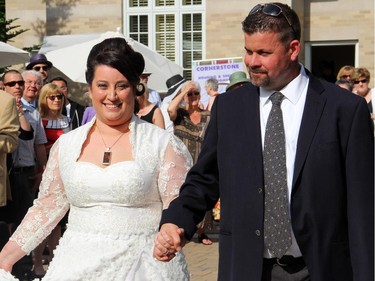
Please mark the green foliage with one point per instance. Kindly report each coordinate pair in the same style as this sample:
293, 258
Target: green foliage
34, 48
7, 29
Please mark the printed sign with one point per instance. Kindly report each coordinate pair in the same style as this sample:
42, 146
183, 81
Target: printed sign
220, 69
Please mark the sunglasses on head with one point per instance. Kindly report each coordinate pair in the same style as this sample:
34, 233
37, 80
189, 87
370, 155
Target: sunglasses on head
13, 83
58, 97
272, 10
362, 81
193, 93
37, 68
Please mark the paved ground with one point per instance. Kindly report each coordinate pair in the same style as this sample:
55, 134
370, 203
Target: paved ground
202, 259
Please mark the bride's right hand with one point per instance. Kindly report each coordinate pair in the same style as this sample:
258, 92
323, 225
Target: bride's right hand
6, 267
9, 255
6, 275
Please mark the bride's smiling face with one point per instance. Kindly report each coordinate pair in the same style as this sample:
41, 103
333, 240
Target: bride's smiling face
112, 96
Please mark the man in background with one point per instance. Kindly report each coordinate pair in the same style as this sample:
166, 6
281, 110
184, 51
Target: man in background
8, 143
41, 64
212, 87
73, 110
154, 96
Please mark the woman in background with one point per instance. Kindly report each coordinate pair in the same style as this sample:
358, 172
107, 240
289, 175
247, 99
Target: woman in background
50, 105
148, 111
190, 123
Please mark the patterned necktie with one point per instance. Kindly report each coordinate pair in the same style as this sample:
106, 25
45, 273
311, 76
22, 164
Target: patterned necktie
277, 237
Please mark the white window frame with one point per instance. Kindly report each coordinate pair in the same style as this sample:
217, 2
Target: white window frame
177, 10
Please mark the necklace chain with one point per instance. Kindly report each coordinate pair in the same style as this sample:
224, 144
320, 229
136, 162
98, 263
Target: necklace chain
108, 148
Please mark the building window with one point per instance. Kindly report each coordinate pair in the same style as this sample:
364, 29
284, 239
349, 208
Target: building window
192, 2
160, 3
138, 28
192, 40
165, 35
173, 28
138, 3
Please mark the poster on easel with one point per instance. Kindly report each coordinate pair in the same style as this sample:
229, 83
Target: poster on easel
220, 69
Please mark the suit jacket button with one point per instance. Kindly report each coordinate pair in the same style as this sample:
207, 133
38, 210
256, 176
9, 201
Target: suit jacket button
260, 190
257, 232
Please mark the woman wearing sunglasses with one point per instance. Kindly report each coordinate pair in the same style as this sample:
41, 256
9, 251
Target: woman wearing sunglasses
51, 102
190, 122
189, 118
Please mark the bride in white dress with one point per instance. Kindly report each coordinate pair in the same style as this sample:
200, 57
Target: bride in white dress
116, 174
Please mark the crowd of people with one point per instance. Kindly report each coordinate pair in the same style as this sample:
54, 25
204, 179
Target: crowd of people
112, 191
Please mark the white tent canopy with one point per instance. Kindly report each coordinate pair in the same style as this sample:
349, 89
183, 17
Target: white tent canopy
69, 53
10, 55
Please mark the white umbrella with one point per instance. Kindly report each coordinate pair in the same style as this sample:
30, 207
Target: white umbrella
10, 55
69, 53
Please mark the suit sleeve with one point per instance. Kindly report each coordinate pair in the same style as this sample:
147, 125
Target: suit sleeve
360, 194
200, 191
9, 125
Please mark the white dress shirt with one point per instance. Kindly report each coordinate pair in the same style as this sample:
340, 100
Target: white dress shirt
292, 107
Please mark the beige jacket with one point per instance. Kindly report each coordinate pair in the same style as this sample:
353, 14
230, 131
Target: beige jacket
9, 126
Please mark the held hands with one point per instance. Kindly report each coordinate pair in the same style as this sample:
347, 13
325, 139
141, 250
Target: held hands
168, 242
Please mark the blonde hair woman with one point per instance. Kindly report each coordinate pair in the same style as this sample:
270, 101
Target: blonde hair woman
51, 102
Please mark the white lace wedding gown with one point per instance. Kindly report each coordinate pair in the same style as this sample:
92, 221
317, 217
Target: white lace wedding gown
114, 211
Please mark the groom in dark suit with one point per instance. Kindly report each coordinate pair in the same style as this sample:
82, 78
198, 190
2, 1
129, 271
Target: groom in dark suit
287, 129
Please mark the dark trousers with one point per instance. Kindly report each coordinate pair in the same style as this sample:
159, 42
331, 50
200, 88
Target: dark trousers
4, 234
272, 271
21, 183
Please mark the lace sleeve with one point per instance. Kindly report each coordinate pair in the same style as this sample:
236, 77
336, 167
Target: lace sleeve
176, 163
48, 209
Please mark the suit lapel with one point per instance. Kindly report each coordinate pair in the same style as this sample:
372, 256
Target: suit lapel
314, 106
252, 132
73, 106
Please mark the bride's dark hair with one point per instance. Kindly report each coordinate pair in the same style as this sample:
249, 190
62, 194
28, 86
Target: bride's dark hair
116, 53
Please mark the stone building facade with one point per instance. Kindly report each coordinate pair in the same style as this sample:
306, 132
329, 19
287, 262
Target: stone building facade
325, 25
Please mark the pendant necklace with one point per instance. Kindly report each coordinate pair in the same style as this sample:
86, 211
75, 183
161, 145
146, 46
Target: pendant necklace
108, 153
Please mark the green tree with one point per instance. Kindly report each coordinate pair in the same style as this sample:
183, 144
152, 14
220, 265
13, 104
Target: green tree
7, 28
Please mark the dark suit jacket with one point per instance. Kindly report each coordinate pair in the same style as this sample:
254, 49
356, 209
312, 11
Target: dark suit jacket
332, 192
76, 114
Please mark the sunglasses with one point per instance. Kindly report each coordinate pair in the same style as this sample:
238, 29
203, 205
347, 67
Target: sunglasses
272, 10
362, 81
13, 83
58, 97
345, 76
37, 68
193, 93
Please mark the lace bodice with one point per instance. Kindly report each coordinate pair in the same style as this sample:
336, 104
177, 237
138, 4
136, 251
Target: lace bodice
126, 196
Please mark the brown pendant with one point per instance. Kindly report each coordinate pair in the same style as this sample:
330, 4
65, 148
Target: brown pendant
107, 157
